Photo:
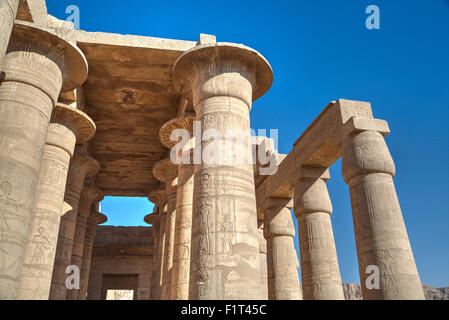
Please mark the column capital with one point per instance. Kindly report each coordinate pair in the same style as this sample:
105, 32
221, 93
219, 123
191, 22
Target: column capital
69, 125
79, 122
159, 198
165, 170
89, 195
27, 37
153, 219
80, 164
185, 122
278, 218
365, 153
203, 72
311, 193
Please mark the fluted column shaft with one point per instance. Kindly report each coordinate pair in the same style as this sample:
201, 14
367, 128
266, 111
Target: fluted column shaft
263, 262
381, 236
34, 68
94, 219
183, 231
279, 231
319, 263
89, 195
170, 221
155, 222
8, 12
222, 80
166, 171
80, 167
161, 253
67, 125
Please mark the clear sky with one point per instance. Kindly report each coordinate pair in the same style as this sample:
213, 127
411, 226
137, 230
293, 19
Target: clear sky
321, 51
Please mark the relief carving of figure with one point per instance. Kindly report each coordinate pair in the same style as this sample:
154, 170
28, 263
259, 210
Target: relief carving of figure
203, 212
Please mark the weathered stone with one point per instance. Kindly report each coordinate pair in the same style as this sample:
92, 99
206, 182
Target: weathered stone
8, 12
159, 198
81, 166
279, 231
222, 80
166, 171
319, 264
381, 236
37, 65
67, 125
89, 195
95, 218
263, 262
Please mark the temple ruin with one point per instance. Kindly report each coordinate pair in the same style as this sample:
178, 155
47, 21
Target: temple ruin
84, 115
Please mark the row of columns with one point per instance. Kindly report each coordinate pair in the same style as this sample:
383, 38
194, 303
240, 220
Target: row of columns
210, 244
47, 221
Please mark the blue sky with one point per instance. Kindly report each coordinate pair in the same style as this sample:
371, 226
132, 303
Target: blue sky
321, 51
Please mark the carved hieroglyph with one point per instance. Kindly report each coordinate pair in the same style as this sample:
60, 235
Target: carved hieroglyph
319, 264
67, 126
81, 166
89, 195
222, 80
381, 236
8, 12
283, 278
95, 218
37, 65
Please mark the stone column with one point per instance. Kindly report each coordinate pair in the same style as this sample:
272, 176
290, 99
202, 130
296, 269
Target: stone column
166, 171
67, 126
81, 166
159, 197
263, 261
154, 220
319, 264
89, 195
37, 65
184, 198
283, 278
381, 236
8, 12
95, 218
222, 80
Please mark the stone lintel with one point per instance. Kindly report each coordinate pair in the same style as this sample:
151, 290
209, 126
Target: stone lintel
318, 146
